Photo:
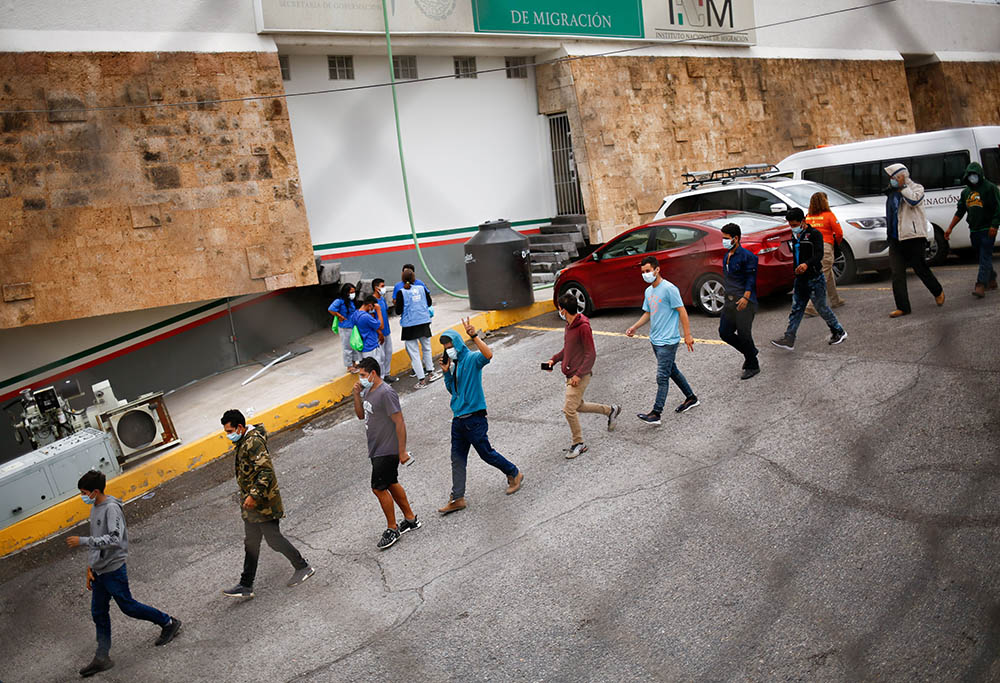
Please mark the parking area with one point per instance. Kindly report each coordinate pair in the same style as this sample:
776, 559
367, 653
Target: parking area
833, 518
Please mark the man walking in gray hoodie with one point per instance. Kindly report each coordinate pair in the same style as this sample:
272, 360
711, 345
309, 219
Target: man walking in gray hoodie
107, 550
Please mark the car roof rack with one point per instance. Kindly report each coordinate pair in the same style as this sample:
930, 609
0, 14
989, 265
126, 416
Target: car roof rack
695, 179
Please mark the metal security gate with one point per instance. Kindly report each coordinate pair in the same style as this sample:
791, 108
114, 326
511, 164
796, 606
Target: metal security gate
569, 200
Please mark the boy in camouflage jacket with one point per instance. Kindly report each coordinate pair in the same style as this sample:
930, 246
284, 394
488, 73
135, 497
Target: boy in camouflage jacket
260, 503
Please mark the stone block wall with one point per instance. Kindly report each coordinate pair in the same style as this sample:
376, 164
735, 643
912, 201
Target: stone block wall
136, 207
955, 94
639, 122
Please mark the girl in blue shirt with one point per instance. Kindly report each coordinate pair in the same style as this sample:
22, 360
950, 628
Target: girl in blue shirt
342, 309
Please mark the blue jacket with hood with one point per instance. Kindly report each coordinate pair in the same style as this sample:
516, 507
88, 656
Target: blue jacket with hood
464, 378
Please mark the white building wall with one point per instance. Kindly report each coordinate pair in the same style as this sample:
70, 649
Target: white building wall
476, 149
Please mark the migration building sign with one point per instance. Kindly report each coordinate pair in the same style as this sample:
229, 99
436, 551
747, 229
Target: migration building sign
606, 18
725, 22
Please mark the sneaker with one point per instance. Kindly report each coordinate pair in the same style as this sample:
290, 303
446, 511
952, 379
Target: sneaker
514, 483
422, 384
576, 450
168, 632
454, 505
239, 591
389, 537
391, 380
409, 525
786, 343
750, 372
96, 666
300, 575
838, 337
616, 410
689, 403
650, 418
409, 460
433, 376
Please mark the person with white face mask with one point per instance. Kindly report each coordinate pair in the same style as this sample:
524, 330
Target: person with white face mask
906, 230
739, 268
663, 308
385, 347
343, 309
979, 204
377, 404
107, 576
577, 357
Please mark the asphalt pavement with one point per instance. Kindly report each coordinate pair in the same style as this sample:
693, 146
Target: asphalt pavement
833, 518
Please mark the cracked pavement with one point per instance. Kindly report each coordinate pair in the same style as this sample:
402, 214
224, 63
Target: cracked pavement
833, 518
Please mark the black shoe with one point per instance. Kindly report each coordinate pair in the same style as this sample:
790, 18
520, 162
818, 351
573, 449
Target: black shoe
389, 537
786, 343
300, 575
96, 666
239, 591
409, 525
750, 372
838, 337
168, 632
689, 403
650, 418
390, 380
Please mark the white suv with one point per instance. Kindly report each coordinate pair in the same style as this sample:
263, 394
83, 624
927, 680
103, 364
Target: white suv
865, 246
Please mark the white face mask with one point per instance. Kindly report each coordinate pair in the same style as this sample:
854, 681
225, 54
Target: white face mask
650, 278
452, 352
727, 243
562, 314
381, 291
352, 295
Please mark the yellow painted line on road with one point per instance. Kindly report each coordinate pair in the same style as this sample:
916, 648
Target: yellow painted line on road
188, 457
611, 334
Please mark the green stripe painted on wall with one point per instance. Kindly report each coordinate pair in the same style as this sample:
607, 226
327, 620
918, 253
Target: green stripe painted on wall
399, 238
114, 342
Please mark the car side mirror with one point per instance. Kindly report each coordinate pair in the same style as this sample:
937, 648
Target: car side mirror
779, 208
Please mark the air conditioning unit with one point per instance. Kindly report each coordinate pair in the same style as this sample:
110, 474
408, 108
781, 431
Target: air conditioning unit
140, 427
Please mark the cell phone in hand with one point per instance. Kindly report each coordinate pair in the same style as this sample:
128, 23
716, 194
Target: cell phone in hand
547, 367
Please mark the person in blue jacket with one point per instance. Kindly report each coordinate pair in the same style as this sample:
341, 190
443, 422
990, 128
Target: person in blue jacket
342, 309
463, 377
378, 289
367, 322
399, 285
413, 306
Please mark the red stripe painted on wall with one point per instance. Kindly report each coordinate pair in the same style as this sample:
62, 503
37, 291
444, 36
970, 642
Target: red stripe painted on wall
406, 247
134, 347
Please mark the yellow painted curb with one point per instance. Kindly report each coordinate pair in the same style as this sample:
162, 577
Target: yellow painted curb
190, 456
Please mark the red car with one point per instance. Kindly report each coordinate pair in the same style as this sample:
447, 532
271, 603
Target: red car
689, 249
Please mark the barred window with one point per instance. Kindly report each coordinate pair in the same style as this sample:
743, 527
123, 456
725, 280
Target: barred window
341, 67
404, 68
465, 67
517, 67
286, 71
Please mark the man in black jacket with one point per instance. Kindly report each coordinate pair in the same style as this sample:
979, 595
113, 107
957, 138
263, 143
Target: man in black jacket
739, 270
810, 283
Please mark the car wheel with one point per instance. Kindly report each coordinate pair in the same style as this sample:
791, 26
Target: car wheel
710, 294
578, 292
937, 249
845, 271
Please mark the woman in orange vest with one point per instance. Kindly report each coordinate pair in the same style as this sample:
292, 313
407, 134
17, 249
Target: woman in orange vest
821, 218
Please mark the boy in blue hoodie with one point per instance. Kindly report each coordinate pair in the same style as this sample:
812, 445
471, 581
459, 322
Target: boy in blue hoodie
107, 550
463, 377
367, 322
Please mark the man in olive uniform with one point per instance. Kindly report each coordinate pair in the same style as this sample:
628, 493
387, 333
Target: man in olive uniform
260, 501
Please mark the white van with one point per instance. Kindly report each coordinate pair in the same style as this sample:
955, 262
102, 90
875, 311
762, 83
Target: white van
937, 160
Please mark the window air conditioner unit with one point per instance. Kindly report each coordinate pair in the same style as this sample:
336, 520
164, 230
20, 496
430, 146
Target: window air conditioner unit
141, 427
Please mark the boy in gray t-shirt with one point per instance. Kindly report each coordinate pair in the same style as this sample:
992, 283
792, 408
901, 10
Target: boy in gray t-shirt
377, 404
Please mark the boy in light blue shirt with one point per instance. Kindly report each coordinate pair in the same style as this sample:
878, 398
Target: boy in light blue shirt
664, 309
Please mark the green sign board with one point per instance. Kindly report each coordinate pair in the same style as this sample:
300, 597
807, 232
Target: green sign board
607, 18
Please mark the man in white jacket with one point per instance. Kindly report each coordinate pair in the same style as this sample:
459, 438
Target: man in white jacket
906, 227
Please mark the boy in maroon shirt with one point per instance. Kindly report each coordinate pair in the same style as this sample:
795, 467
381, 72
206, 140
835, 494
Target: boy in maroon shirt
577, 356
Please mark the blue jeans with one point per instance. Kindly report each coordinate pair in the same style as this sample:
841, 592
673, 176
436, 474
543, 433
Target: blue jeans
804, 290
666, 370
115, 585
471, 431
982, 243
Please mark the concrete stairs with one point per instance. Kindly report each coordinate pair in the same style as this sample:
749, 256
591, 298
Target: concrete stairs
558, 244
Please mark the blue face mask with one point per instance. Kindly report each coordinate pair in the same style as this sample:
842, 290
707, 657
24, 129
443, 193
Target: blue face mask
233, 436
87, 499
727, 243
973, 179
797, 231
893, 182
365, 382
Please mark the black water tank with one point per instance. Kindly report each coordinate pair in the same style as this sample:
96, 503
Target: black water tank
498, 268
